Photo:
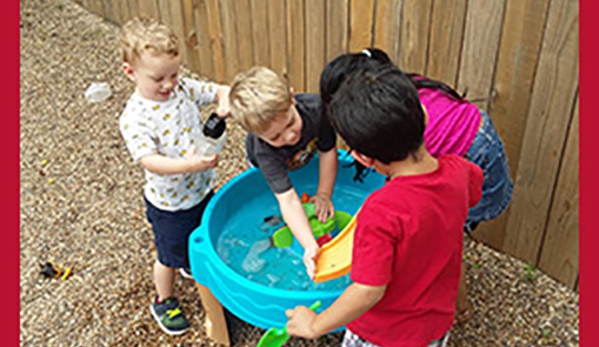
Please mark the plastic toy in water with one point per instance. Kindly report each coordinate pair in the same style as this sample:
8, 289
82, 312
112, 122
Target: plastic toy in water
277, 337
334, 259
284, 238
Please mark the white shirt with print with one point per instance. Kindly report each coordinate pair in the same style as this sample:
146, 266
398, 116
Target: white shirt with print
170, 128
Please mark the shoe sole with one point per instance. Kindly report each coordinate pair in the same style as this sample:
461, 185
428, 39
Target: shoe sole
162, 327
185, 274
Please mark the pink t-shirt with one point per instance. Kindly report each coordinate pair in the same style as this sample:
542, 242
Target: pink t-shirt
452, 125
409, 238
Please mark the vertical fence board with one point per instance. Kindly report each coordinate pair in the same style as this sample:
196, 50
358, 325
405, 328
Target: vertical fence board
278, 36
415, 25
133, 8
243, 26
386, 26
561, 237
86, 4
177, 22
516, 64
315, 43
164, 11
514, 76
97, 7
190, 36
361, 13
296, 44
110, 12
148, 8
216, 39
203, 38
121, 11
337, 28
550, 110
479, 52
446, 37
260, 36
229, 35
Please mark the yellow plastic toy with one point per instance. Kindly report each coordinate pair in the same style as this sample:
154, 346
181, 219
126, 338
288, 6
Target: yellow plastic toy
334, 259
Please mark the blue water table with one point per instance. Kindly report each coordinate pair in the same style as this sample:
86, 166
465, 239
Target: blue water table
236, 263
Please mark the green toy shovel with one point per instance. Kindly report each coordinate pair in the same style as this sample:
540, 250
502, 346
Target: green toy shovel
283, 237
274, 337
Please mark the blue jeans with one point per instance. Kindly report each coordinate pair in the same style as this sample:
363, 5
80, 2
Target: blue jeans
488, 152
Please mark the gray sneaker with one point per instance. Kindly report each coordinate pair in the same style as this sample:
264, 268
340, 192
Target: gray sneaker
169, 316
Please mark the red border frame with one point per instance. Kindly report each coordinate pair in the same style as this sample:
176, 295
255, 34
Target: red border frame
589, 125
588, 281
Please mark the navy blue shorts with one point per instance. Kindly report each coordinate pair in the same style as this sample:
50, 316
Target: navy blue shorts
488, 152
172, 230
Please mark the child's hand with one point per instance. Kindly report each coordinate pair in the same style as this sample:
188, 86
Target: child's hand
223, 109
323, 207
199, 163
300, 322
310, 256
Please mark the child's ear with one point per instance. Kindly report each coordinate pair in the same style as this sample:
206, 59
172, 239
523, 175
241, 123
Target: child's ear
362, 159
128, 70
425, 115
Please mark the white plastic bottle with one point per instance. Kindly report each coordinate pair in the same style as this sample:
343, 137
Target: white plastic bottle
98, 92
214, 136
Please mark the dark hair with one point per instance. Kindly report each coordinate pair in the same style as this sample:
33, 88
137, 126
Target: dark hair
339, 68
421, 82
378, 113
335, 73
369, 59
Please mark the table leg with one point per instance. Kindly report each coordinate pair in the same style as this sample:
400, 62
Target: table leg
215, 324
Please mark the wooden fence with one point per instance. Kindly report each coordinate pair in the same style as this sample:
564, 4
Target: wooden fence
518, 59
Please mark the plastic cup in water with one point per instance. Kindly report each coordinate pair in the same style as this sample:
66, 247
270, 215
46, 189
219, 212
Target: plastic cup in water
98, 92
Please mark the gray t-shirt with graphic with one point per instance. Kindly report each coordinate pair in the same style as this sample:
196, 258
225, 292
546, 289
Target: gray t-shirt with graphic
275, 162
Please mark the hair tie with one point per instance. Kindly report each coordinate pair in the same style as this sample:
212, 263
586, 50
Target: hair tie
367, 53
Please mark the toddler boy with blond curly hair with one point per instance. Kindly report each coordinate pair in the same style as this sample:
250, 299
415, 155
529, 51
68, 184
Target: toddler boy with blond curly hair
161, 127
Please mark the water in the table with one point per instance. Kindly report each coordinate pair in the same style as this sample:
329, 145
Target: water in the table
245, 247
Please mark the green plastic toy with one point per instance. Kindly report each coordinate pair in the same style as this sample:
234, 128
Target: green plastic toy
284, 238
277, 337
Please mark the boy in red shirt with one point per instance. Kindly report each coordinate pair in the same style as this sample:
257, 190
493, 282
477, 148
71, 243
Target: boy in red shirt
408, 242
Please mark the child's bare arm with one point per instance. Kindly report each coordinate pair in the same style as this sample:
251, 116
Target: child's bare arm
164, 165
222, 98
354, 302
295, 217
327, 173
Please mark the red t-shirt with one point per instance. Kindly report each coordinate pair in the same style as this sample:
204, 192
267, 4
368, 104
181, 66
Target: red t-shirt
409, 237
